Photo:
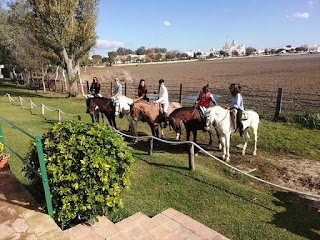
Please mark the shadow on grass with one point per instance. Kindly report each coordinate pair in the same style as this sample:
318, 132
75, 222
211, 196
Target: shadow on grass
189, 174
22, 91
298, 217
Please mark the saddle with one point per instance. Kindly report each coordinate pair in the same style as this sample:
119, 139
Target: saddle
170, 109
233, 114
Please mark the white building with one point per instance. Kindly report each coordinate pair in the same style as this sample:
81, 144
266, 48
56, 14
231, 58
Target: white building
314, 49
233, 46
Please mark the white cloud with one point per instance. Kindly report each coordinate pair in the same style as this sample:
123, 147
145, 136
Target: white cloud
312, 3
106, 44
167, 23
304, 15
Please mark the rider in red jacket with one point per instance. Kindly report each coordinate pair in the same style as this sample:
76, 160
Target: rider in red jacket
205, 97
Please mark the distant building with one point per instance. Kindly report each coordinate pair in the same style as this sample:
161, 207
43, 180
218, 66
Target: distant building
314, 49
233, 46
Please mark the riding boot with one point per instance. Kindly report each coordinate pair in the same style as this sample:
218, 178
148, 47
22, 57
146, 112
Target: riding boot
165, 120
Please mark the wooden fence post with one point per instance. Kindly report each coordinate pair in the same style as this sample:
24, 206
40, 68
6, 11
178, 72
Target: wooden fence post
180, 94
150, 146
191, 157
125, 89
278, 106
111, 89
59, 115
87, 87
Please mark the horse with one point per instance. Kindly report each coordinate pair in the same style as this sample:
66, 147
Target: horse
151, 113
103, 105
123, 104
95, 115
192, 120
221, 119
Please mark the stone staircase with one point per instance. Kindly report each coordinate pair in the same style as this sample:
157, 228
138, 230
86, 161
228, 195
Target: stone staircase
21, 218
170, 224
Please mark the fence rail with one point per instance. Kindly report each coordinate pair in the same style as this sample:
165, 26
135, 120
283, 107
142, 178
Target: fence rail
260, 99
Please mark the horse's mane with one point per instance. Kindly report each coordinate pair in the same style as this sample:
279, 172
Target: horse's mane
179, 111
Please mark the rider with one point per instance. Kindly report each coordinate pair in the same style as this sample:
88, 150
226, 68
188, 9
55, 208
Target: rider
142, 91
95, 87
237, 103
117, 92
164, 100
204, 99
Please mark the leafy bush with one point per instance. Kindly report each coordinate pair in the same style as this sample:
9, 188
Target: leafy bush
88, 166
310, 120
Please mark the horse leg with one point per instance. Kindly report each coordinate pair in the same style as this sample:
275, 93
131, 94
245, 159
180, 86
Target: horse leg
255, 135
223, 141
178, 136
92, 118
210, 137
227, 147
246, 137
219, 141
113, 118
97, 117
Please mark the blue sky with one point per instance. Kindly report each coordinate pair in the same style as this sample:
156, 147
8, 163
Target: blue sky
204, 24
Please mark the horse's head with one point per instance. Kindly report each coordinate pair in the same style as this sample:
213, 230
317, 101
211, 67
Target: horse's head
209, 119
135, 111
92, 106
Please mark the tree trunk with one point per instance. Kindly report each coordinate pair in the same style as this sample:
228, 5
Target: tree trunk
72, 74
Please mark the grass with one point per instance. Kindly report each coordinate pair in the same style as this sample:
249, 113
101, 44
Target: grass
212, 194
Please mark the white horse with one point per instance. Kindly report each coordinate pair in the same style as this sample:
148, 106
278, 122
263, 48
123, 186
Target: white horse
221, 119
122, 107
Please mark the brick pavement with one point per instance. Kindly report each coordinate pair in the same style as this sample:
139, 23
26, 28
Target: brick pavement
21, 218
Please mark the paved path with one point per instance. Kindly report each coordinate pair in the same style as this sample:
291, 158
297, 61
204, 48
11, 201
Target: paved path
21, 218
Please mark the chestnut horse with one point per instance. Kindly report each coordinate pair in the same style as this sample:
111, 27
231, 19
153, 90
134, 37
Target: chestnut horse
192, 120
95, 115
103, 105
151, 113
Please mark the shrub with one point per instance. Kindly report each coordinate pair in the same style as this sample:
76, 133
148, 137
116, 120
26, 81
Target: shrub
310, 120
88, 166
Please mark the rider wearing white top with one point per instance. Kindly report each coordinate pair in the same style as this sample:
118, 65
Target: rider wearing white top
237, 103
117, 92
163, 99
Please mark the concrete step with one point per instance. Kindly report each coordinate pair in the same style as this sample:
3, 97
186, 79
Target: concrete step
170, 224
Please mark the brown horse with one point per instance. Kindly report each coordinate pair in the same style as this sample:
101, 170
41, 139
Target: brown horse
103, 105
192, 120
95, 114
151, 113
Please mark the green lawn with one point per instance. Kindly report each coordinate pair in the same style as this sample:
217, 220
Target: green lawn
212, 194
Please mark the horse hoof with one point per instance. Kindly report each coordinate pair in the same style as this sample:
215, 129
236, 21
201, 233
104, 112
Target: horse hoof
227, 160
254, 154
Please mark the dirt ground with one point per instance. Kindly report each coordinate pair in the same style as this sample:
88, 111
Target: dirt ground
298, 73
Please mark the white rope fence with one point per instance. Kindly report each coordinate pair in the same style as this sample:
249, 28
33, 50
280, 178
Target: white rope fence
192, 166
43, 107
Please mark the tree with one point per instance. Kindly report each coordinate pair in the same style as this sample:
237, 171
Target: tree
141, 51
222, 53
112, 56
96, 59
65, 28
235, 53
250, 50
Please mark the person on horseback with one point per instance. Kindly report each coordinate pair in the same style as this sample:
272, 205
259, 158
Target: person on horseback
117, 92
204, 99
95, 87
142, 91
164, 101
237, 104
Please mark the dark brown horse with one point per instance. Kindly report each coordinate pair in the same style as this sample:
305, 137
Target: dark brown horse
192, 120
102, 105
151, 113
95, 115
